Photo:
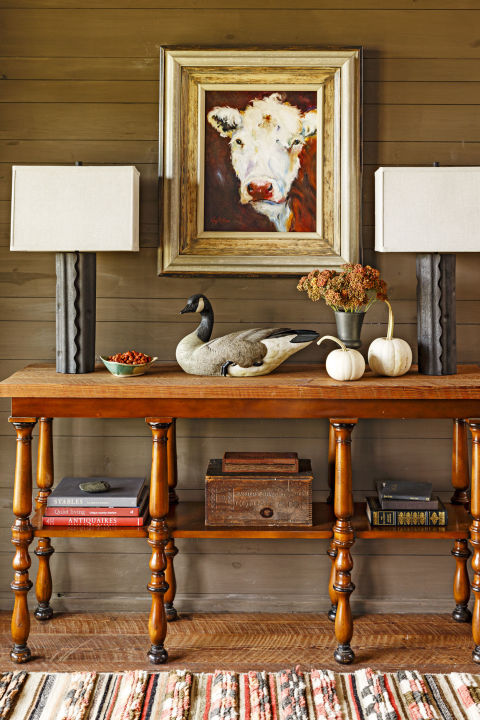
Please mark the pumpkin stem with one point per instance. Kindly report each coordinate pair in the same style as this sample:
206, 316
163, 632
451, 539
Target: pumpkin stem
390, 321
331, 337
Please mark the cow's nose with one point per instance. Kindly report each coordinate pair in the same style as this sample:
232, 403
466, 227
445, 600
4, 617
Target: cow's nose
260, 191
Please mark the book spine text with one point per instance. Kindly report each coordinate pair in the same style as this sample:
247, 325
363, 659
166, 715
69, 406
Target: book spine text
409, 518
93, 521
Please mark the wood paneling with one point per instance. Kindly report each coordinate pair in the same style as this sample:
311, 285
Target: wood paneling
28, 152
118, 33
94, 455
310, 430
161, 340
79, 91
121, 121
143, 91
462, 152
79, 82
223, 576
100, 121
157, 310
419, 93
132, 275
248, 4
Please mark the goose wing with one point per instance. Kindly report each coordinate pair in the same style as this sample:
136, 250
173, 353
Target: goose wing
245, 348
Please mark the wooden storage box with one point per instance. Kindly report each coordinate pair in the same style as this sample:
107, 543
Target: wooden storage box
258, 499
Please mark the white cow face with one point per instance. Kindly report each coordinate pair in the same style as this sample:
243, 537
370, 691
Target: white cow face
266, 140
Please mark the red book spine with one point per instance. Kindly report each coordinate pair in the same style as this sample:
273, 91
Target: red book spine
94, 521
63, 511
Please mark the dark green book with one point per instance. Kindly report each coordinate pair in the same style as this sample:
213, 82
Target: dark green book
405, 518
404, 490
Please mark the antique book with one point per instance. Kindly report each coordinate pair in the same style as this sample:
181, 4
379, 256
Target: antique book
260, 462
388, 504
123, 492
404, 490
405, 518
68, 510
95, 521
258, 499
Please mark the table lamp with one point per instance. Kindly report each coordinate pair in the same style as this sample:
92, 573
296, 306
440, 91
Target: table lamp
75, 211
434, 212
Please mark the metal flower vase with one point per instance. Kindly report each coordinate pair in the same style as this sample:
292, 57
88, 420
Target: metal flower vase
349, 327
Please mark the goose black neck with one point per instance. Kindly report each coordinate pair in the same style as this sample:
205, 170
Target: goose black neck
205, 328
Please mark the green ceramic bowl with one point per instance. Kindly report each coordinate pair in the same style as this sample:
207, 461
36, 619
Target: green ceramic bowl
125, 370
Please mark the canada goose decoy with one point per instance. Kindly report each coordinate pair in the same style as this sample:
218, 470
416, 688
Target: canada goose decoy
239, 354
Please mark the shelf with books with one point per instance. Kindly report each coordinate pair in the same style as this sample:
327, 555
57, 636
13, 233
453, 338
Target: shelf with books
459, 521
95, 507
187, 520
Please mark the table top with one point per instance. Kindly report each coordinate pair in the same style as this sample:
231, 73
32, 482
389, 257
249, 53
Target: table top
167, 381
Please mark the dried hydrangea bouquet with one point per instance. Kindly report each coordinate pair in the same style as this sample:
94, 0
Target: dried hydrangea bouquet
350, 293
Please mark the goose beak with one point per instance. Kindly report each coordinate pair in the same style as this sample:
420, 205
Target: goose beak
186, 309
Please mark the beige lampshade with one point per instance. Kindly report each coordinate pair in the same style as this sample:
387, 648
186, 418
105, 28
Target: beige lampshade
75, 208
427, 209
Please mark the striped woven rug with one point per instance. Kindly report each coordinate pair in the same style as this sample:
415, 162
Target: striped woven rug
287, 695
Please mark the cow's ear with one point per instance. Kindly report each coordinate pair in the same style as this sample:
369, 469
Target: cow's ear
225, 120
309, 123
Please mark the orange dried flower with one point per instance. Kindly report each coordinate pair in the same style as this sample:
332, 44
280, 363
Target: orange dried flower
354, 289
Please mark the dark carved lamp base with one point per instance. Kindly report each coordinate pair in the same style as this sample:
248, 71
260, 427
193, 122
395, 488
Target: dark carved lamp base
436, 317
76, 303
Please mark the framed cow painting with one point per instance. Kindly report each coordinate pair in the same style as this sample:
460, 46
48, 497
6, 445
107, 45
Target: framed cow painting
259, 160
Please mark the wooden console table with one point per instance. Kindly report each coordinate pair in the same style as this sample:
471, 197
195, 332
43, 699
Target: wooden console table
39, 394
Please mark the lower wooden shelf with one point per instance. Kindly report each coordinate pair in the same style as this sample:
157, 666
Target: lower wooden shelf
187, 520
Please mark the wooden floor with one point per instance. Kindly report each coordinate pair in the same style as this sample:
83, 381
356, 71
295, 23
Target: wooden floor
242, 641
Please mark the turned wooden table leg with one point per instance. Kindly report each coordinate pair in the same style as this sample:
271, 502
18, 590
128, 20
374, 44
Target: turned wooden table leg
172, 463
461, 552
158, 535
171, 550
344, 539
475, 535
461, 581
332, 549
22, 536
331, 463
460, 471
43, 585
332, 553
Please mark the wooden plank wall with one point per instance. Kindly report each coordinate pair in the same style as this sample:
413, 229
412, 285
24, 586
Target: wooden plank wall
80, 82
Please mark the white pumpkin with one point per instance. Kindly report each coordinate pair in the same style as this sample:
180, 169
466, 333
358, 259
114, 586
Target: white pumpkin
343, 364
390, 356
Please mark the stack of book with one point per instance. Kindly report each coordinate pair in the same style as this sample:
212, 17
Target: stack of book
405, 503
124, 504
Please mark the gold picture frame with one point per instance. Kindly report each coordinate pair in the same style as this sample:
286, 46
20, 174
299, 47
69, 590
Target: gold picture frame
238, 129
